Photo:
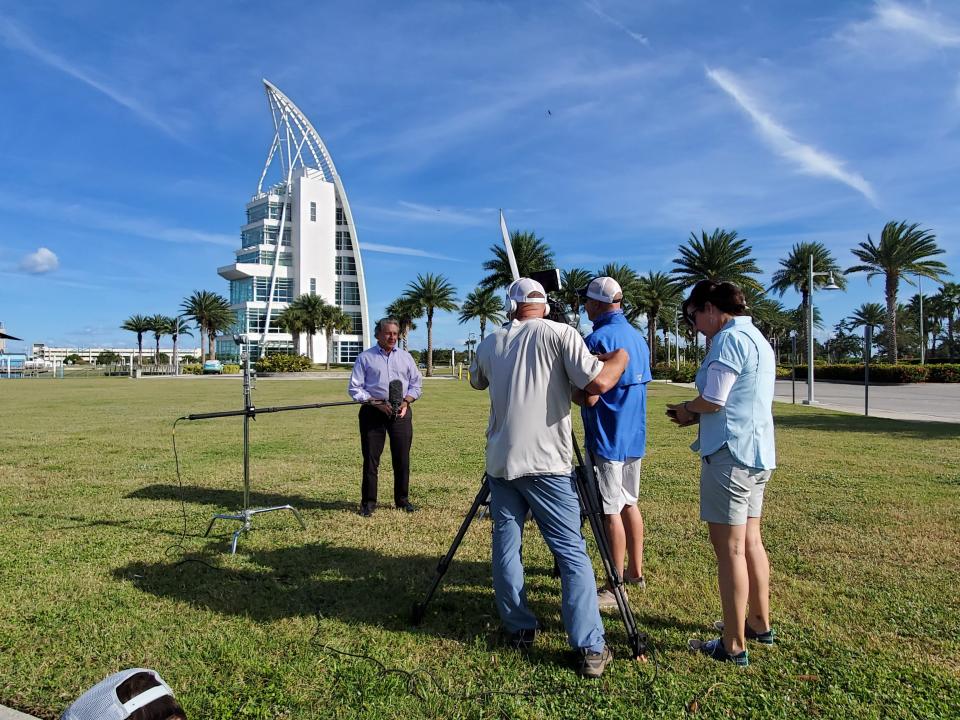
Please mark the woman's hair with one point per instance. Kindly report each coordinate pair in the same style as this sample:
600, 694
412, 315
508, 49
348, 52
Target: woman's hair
163, 708
724, 296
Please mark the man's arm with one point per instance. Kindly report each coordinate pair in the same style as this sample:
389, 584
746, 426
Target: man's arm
614, 363
584, 399
357, 377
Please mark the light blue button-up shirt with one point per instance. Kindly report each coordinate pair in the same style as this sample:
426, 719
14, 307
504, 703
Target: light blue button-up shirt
375, 368
745, 423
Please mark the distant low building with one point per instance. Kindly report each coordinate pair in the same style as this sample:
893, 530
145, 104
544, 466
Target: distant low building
41, 351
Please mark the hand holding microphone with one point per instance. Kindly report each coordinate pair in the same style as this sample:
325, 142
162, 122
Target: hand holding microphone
395, 398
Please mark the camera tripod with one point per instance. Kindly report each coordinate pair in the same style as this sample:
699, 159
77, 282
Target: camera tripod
588, 492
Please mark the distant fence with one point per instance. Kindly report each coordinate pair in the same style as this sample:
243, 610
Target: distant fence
85, 371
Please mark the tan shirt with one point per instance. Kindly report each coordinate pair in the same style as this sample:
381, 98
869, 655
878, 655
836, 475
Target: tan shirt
529, 368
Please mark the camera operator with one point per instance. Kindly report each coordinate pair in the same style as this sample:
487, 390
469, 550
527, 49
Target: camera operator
369, 384
529, 365
615, 425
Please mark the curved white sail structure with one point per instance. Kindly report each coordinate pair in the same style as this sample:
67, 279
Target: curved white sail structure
300, 238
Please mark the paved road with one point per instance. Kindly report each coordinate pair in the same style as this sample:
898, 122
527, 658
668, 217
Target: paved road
930, 402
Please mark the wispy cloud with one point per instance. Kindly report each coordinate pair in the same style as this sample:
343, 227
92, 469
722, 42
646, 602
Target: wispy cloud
401, 250
924, 24
807, 158
15, 38
594, 8
89, 216
42, 261
415, 212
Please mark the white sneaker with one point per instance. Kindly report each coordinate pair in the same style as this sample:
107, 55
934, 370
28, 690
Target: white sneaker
606, 599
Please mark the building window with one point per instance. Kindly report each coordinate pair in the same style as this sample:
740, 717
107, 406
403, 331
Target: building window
343, 241
255, 318
347, 293
346, 351
313, 212
341, 218
283, 290
313, 286
357, 320
241, 291
344, 265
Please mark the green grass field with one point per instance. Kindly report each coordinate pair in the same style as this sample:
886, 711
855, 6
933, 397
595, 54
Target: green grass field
862, 524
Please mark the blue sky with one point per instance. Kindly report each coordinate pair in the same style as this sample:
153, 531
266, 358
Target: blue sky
132, 134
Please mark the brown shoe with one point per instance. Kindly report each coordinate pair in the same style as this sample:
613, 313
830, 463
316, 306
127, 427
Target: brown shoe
592, 664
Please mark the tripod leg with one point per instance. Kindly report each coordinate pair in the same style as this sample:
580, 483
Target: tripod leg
420, 608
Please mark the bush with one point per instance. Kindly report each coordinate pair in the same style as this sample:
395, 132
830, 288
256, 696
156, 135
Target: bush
783, 372
284, 363
943, 373
191, 369
684, 374
661, 371
231, 369
879, 372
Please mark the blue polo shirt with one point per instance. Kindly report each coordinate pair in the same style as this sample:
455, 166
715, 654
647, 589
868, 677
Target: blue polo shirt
745, 423
616, 427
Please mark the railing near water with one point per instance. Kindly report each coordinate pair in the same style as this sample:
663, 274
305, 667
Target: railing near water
85, 371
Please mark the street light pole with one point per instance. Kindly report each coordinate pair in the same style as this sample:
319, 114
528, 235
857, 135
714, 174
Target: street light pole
923, 337
831, 285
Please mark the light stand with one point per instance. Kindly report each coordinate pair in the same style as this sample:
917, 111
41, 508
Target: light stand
250, 412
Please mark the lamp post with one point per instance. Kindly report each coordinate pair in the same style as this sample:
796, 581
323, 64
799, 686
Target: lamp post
676, 330
923, 337
831, 285
471, 341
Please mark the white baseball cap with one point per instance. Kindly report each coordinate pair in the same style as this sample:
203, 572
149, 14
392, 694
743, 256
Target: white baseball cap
603, 289
101, 702
521, 290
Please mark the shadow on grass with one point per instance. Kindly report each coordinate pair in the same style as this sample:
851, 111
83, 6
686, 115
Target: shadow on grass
843, 422
233, 499
351, 584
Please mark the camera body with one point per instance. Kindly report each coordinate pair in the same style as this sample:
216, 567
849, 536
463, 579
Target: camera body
550, 279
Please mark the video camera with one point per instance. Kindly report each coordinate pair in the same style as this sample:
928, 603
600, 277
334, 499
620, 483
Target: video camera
550, 279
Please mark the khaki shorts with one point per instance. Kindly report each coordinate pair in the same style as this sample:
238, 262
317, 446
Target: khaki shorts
730, 492
619, 483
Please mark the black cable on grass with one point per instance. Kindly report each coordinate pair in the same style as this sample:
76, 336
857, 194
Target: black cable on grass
417, 679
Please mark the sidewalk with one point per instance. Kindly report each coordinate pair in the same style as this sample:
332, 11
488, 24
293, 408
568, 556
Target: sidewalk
10, 714
920, 402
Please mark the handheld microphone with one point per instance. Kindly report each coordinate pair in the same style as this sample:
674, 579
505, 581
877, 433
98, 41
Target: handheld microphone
395, 397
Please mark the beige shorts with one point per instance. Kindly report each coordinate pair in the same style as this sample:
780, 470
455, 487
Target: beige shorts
619, 483
730, 492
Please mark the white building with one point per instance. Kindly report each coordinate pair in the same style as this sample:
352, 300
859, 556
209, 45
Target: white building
42, 351
307, 217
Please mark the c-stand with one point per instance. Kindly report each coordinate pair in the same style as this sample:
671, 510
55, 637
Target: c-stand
250, 412
588, 492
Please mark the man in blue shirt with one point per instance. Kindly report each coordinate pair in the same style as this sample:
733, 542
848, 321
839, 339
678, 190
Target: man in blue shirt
615, 424
370, 385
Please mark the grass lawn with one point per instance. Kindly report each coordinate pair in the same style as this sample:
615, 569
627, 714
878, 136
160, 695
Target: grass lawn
862, 525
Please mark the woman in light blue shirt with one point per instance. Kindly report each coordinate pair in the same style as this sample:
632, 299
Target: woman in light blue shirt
736, 446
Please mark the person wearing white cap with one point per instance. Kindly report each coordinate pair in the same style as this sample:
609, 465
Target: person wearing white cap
615, 426
134, 694
529, 365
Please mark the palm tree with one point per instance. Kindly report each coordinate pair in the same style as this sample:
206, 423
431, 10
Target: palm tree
138, 324
177, 327
158, 326
482, 304
211, 312
432, 292
657, 290
571, 281
903, 251
532, 254
405, 311
719, 256
794, 273
334, 320
290, 320
631, 285
949, 302
869, 315
311, 309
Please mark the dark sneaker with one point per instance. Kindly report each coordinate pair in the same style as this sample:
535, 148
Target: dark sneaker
408, 507
592, 664
522, 639
714, 649
765, 638
366, 509
637, 582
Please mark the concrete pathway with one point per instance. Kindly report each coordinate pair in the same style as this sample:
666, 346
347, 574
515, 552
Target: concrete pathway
11, 714
925, 402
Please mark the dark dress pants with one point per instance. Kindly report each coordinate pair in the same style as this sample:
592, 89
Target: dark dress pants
375, 426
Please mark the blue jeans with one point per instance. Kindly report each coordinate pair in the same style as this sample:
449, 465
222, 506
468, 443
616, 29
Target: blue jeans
556, 509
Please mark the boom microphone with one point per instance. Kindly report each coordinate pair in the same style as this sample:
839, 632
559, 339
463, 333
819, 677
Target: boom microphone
395, 397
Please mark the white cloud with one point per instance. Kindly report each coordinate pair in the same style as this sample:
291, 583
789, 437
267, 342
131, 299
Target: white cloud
896, 19
593, 7
807, 158
401, 250
15, 38
40, 262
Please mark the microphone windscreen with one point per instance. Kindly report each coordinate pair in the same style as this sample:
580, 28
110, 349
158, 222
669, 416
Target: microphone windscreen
395, 392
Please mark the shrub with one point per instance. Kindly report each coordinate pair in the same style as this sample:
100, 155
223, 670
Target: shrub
284, 363
231, 369
879, 372
191, 369
661, 371
684, 374
783, 372
943, 373
898, 373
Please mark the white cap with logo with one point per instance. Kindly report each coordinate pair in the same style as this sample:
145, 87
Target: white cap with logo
520, 291
602, 289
